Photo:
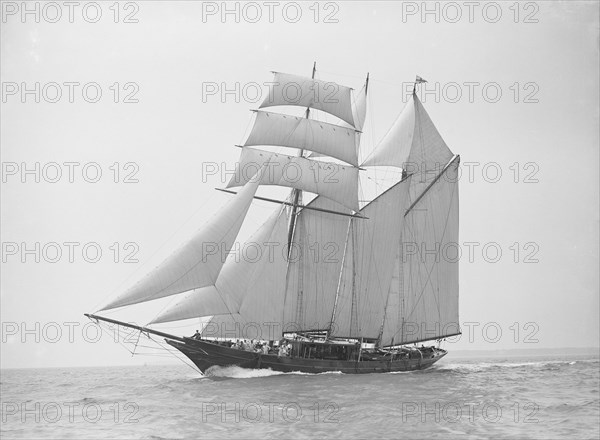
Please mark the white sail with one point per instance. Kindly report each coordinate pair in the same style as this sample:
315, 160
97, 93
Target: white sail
334, 181
305, 92
236, 326
360, 108
429, 153
430, 263
251, 282
309, 134
361, 304
413, 144
394, 148
395, 301
315, 266
198, 262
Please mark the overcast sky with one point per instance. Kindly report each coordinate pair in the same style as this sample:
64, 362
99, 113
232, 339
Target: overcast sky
541, 133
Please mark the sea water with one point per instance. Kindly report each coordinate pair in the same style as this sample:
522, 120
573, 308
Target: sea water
501, 397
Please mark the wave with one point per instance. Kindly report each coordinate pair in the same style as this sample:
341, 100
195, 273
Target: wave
484, 366
234, 372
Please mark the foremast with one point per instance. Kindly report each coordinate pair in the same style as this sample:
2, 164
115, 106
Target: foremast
297, 198
236, 289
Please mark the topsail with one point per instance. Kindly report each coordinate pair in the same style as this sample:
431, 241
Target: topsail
299, 91
413, 144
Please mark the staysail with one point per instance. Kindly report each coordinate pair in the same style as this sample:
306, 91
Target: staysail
198, 262
250, 283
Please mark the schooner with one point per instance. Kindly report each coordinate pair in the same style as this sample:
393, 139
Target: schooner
335, 283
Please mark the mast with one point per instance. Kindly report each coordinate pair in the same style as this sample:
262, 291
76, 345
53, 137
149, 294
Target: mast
351, 229
337, 293
387, 301
297, 193
354, 327
354, 307
216, 288
297, 196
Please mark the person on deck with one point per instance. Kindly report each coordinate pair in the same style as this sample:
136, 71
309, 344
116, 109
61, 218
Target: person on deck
196, 335
265, 348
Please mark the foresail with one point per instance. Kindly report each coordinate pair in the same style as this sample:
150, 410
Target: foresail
297, 132
315, 265
360, 311
334, 181
251, 282
198, 262
430, 264
305, 92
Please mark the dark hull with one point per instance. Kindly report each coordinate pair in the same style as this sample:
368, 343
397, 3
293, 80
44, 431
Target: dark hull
205, 355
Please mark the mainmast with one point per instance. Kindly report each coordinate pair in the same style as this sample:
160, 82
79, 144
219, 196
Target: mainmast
351, 230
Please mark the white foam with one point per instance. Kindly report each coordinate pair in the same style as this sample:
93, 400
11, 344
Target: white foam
235, 372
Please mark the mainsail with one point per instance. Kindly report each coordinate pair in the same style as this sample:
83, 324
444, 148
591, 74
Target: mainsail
430, 262
423, 296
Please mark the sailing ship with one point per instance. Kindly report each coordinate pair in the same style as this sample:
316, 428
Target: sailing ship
335, 283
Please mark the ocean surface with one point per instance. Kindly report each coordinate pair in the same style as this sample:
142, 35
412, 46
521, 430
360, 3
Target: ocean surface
501, 397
